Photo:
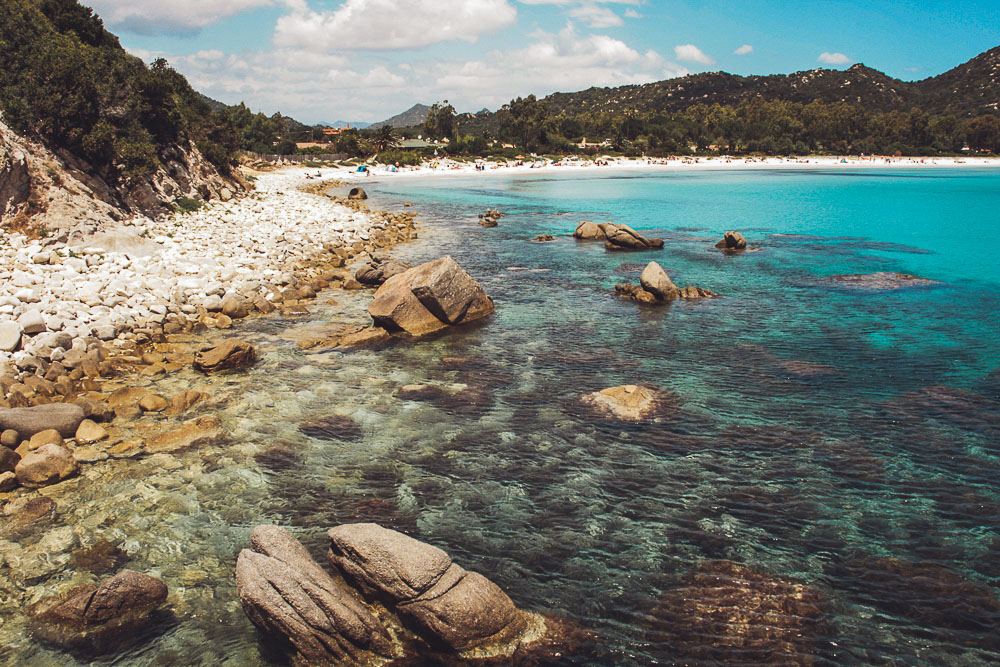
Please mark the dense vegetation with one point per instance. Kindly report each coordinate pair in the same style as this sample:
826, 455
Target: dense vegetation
67, 81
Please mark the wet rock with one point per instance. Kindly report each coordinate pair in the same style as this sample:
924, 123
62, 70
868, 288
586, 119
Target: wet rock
230, 354
725, 612
196, 432
286, 594
125, 396
881, 281
636, 293
623, 237
429, 297
543, 238
8, 459
63, 417
348, 337
33, 516
185, 400
278, 457
924, 591
90, 432
461, 609
378, 270
98, 617
10, 438
806, 370
46, 465
732, 241
357, 193
656, 281
100, 558
153, 403
692, 293
628, 402
333, 427
420, 392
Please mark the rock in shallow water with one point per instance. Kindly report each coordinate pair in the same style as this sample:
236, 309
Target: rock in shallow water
98, 617
628, 402
882, 281
46, 465
230, 354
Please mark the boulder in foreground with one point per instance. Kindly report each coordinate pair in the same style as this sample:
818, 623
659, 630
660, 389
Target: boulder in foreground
230, 354
428, 298
98, 617
46, 465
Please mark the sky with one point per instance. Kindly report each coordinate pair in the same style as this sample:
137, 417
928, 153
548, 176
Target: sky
366, 60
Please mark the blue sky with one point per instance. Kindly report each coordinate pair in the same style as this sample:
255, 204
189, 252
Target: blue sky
327, 60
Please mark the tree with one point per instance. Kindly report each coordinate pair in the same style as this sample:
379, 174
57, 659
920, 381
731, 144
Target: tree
384, 138
983, 133
440, 121
526, 120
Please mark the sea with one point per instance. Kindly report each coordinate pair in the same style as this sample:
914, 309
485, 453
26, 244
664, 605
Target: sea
824, 489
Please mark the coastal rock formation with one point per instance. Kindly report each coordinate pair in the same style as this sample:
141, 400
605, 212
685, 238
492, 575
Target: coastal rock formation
288, 595
98, 617
428, 298
725, 612
628, 402
591, 231
398, 599
881, 281
623, 237
656, 288
380, 268
462, 609
230, 354
543, 238
491, 218
732, 241
63, 417
357, 193
48, 464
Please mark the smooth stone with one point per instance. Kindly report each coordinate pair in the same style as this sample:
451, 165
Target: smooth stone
656, 281
46, 465
10, 438
32, 322
90, 432
153, 403
49, 436
63, 417
10, 335
732, 241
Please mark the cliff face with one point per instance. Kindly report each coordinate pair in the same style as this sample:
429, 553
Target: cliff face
58, 192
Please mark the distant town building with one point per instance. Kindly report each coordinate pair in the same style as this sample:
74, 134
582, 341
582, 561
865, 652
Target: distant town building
334, 131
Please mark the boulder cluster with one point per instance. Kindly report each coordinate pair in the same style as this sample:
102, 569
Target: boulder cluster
615, 237
391, 598
655, 287
491, 218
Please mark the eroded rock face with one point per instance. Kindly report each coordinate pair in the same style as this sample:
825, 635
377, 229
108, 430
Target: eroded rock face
98, 616
230, 354
589, 231
628, 402
462, 609
380, 269
287, 594
623, 237
725, 612
428, 298
63, 417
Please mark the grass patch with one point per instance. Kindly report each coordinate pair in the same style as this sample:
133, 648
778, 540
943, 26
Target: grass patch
187, 204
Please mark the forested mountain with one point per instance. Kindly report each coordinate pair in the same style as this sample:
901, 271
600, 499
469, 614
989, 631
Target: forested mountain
413, 116
969, 89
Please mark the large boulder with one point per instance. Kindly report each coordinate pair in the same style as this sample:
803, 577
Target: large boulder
357, 193
656, 281
429, 297
63, 417
623, 237
732, 241
288, 595
589, 231
46, 465
462, 609
230, 354
98, 617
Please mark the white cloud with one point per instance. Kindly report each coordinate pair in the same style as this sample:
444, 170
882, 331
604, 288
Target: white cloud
315, 87
149, 17
632, 14
834, 58
743, 50
596, 17
391, 24
692, 54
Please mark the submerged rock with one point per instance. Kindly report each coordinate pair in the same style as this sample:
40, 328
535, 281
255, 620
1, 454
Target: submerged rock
200, 431
628, 402
98, 617
543, 238
333, 427
63, 417
230, 354
881, 281
285, 593
428, 298
725, 612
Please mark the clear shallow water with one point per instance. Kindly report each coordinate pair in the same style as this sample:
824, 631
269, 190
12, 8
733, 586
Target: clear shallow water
818, 473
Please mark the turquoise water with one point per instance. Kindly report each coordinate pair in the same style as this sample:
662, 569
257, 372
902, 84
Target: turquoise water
842, 445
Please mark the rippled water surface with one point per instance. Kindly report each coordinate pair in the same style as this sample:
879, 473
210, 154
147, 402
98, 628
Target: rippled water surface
847, 441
